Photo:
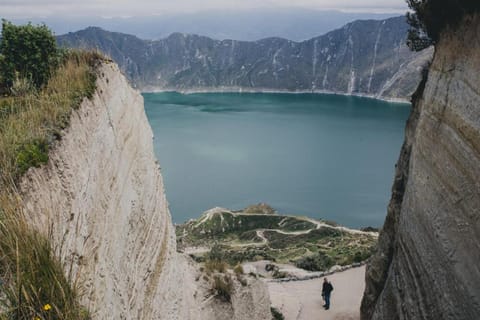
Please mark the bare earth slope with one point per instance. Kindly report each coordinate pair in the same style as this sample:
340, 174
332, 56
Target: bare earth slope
428, 266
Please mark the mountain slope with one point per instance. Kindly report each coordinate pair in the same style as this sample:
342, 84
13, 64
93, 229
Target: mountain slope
366, 57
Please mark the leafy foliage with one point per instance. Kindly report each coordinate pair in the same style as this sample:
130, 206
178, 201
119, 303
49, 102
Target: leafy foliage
27, 52
32, 154
431, 17
317, 262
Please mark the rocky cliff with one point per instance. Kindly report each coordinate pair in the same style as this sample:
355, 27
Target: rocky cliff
101, 201
427, 265
366, 57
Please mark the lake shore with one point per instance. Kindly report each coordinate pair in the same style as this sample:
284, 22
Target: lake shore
150, 89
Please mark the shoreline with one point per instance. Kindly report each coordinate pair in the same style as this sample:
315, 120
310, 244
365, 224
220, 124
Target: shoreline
151, 89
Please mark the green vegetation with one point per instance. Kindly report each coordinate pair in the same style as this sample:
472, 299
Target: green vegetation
431, 17
33, 278
227, 226
317, 262
36, 106
31, 122
222, 287
234, 238
28, 55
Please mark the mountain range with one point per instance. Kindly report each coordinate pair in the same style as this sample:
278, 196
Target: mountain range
365, 57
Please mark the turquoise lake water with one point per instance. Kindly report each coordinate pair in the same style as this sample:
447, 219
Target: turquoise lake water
324, 156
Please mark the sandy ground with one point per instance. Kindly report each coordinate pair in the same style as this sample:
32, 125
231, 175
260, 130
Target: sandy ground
302, 300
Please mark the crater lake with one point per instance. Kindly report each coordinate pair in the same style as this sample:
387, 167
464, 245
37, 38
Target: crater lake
329, 157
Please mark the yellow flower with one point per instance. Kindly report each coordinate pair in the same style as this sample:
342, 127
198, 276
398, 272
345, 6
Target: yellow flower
47, 307
37, 318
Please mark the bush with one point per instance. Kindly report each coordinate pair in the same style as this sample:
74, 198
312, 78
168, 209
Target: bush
215, 265
32, 154
431, 17
276, 314
318, 262
222, 287
28, 52
216, 253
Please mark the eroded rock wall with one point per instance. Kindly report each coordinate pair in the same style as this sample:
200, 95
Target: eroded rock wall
102, 202
428, 263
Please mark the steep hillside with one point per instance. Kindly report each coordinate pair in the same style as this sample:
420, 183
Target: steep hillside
427, 266
364, 57
101, 202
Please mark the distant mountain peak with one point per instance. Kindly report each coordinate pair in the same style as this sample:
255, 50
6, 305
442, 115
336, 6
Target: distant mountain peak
365, 57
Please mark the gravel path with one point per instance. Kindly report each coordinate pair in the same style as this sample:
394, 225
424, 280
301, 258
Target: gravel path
302, 300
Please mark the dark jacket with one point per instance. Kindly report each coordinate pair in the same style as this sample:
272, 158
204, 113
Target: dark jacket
327, 288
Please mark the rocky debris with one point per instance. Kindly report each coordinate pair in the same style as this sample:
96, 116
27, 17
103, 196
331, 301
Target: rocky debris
426, 266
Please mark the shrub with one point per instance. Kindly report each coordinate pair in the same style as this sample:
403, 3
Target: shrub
32, 154
276, 314
317, 262
28, 52
215, 265
222, 287
216, 253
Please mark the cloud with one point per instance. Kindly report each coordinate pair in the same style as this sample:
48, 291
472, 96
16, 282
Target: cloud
42, 8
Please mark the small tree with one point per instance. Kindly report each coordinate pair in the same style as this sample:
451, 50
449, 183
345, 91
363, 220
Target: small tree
27, 52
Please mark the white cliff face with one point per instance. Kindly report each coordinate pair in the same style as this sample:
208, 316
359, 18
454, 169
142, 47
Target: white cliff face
427, 263
102, 202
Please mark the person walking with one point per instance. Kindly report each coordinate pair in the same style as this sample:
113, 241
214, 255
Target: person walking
327, 289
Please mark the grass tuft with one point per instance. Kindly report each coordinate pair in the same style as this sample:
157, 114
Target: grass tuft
222, 287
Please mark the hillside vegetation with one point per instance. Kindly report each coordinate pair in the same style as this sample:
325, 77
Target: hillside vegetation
34, 109
241, 236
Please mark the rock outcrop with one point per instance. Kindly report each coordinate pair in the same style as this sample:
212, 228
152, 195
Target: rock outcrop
365, 57
427, 265
101, 201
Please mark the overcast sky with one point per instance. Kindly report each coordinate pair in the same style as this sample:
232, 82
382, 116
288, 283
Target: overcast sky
124, 8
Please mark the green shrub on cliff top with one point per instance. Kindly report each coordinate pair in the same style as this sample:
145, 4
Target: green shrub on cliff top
28, 52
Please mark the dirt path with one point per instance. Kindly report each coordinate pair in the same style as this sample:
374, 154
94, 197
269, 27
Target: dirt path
302, 300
